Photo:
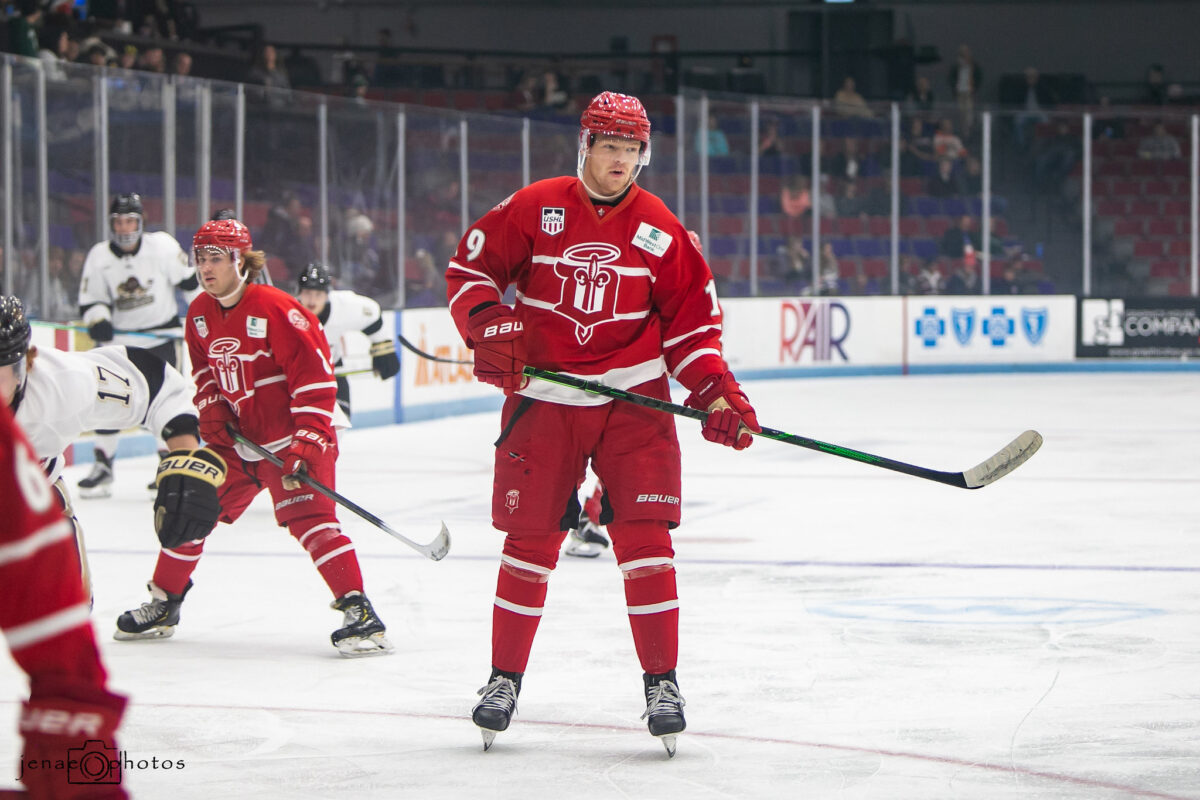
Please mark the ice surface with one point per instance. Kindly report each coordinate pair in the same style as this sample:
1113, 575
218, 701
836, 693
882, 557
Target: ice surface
846, 632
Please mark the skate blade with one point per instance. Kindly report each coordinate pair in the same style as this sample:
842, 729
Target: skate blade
583, 550
96, 492
489, 736
153, 633
668, 741
358, 646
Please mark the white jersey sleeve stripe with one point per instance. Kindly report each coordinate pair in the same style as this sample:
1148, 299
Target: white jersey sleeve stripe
35, 541
678, 339
48, 626
312, 387
312, 410
707, 351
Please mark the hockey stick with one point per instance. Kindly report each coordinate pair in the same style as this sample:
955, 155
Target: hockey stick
81, 329
410, 346
1011, 456
435, 550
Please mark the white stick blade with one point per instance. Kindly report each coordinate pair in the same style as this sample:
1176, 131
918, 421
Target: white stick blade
1018, 451
440, 546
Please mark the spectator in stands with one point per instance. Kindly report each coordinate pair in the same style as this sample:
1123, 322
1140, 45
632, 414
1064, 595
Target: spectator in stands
346, 64
831, 282
1057, 158
127, 59
1159, 145
1039, 98
795, 198
965, 279
281, 236
920, 98
972, 177
181, 64
965, 79
554, 97
848, 164
848, 101
1154, 90
770, 144
860, 284
358, 89
712, 141
1106, 122
153, 60
360, 262
946, 182
267, 72
956, 241
793, 264
1010, 281
946, 144
96, 52
916, 150
852, 203
23, 29
54, 44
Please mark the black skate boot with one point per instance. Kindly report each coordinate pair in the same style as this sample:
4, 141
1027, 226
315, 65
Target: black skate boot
586, 539
154, 620
498, 704
98, 483
664, 708
362, 632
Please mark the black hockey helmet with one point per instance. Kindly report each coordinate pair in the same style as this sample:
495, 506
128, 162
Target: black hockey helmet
223, 213
124, 205
14, 331
316, 276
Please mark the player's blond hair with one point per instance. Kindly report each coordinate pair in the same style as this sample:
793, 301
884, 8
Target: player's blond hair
255, 262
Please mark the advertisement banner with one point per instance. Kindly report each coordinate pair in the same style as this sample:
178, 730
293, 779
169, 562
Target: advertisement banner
825, 332
1008, 329
1151, 327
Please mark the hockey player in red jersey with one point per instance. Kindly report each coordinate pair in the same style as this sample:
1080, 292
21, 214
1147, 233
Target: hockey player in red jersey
609, 287
261, 366
70, 719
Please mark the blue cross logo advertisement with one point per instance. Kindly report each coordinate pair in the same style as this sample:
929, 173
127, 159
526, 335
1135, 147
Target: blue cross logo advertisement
997, 327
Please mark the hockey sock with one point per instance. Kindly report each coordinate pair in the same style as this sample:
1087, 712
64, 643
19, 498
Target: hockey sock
525, 568
175, 566
332, 554
644, 554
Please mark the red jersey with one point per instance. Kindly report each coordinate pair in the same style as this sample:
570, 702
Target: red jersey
609, 293
268, 358
44, 609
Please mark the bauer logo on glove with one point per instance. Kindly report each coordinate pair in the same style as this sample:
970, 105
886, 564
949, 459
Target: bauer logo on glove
185, 462
188, 506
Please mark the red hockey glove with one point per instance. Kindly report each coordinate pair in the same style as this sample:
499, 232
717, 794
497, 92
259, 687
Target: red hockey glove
70, 747
499, 343
307, 446
215, 414
730, 415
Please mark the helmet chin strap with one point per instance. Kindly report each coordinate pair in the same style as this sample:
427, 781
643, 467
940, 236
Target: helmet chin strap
605, 197
243, 277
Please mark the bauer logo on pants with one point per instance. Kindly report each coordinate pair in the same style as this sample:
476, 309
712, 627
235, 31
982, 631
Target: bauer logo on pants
512, 500
553, 220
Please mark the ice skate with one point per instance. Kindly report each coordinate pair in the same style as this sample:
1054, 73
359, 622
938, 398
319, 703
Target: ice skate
154, 620
497, 706
362, 632
586, 540
664, 709
98, 483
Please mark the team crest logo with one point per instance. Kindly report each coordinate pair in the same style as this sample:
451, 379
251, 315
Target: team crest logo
963, 321
589, 292
256, 327
1033, 322
131, 294
226, 366
512, 499
201, 326
553, 220
296, 317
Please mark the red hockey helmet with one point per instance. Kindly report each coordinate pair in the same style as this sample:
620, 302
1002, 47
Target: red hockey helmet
613, 114
228, 234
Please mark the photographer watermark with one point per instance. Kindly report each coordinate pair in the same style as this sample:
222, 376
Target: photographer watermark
97, 763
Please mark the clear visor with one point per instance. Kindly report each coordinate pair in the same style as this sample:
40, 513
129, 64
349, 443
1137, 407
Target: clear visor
126, 238
585, 143
12, 378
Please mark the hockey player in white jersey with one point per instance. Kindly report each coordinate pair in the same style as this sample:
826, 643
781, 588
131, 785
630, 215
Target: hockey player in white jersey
128, 285
56, 396
340, 312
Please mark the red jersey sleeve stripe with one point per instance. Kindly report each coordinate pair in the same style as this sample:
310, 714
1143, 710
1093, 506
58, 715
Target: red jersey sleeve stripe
41, 538
47, 627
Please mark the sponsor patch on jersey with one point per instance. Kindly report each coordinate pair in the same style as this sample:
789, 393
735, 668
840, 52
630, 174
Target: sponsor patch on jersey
553, 220
256, 327
651, 239
201, 326
297, 318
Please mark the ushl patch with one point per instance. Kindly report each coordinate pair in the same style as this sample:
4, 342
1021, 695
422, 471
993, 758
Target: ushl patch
256, 327
651, 239
297, 318
512, 499
553, 220
201, 326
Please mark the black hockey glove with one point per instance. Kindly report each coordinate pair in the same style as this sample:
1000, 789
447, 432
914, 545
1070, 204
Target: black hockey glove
187, 506
384, 360
101, 332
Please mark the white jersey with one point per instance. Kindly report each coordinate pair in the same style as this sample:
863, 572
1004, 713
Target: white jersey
106, 388
347, 312
136, 290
